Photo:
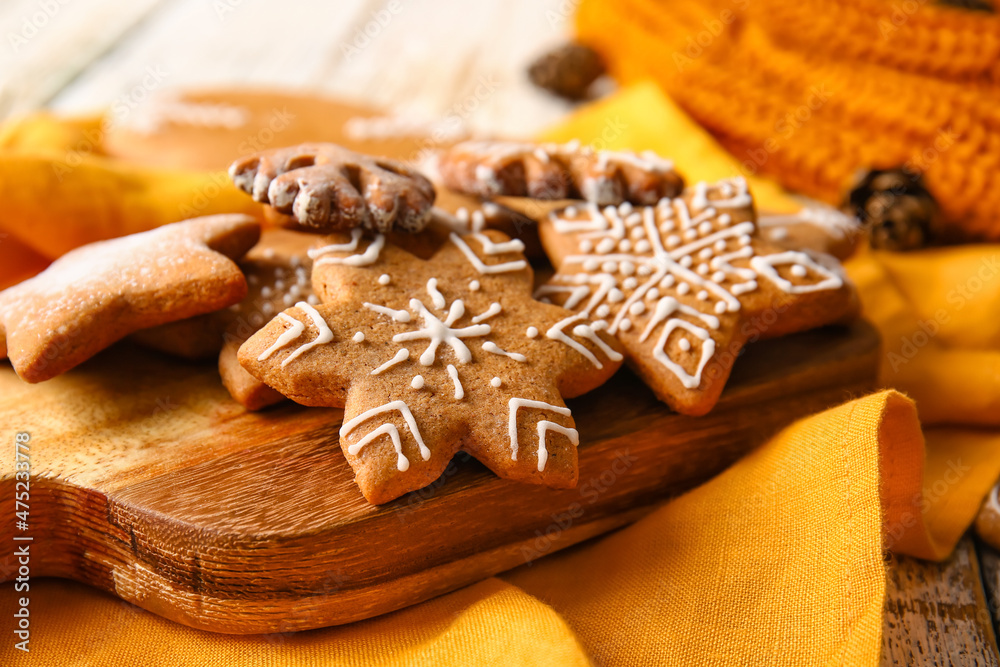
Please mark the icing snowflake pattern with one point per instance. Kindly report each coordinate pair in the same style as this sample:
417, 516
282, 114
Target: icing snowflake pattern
445, 343
675, 271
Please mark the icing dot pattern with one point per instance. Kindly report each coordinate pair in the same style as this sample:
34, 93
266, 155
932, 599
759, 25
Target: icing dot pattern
680, 265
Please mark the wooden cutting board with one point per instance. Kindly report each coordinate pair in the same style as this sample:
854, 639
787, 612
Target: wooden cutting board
148, 481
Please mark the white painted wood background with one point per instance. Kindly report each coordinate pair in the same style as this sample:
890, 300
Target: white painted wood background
418, 56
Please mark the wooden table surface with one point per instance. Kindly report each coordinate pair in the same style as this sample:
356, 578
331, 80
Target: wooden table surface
429, 58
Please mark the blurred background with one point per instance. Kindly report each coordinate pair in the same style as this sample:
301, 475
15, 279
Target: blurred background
419, 56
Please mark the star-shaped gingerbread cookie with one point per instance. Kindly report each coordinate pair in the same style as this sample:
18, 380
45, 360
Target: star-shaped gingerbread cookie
685, 284
97, 294
431, 357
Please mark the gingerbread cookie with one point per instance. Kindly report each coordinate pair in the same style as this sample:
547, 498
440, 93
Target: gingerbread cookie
463, 214
278, 271
279, 274
686, 283
988, 520
329, 188
431, 357
99, 293
815, 228
206, 129
551, 171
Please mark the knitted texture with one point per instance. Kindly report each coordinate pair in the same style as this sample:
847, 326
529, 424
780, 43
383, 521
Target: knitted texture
810, 92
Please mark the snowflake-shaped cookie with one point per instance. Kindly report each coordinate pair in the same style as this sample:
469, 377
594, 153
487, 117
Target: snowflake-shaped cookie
431, 357
685, 284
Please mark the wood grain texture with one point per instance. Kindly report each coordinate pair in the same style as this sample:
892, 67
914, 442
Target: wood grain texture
150, 482
46, 45
989, 561
937, 614
430, 58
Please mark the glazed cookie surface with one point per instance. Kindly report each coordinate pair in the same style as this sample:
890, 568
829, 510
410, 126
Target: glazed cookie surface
431, 357
686, 283
97, 294
553, 171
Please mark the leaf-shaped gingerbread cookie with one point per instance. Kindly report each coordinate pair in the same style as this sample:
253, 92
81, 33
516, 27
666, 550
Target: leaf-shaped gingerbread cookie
431, 357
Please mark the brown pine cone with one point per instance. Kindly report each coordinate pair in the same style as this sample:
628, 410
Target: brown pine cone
567, 71
895, 207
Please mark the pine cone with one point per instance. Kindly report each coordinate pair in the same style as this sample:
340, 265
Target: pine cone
973, 5
567, 71
895, 207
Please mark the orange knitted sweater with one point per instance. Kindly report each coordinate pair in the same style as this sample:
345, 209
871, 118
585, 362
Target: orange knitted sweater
811, 91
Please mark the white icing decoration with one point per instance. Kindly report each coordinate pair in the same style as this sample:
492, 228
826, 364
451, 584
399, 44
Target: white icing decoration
397, 126
453, 374
494, 309
401, 356
359, 337
474, 286
325, 335
665, 240
369, 256
397, 315
481, 266
834, 222
496, 382
492, 347
171, 110
556, 332
417, 382
402, 462
765, 266
384, 279
436, 297
438, 332
532, 332
543, 427
285, 338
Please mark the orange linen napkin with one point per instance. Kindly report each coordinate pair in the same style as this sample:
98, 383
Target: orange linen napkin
57, 192
936, 311
776, 561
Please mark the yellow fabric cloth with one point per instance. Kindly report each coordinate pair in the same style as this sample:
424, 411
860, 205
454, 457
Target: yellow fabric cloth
939, 315
641, 117
776, 561
98, 197
779, 560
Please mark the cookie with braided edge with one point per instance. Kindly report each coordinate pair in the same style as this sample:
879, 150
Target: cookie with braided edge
329, 188
552, 171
